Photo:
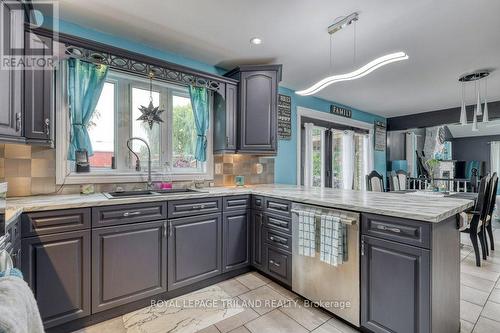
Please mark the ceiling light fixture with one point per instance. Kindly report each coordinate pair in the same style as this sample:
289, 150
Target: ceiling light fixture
359, 73
339, 24
256, 41
478, 110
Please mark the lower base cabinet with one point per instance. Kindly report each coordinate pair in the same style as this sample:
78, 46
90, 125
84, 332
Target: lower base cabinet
395, 289
129, 263
257, 240
57, 268
194, 249
236, 237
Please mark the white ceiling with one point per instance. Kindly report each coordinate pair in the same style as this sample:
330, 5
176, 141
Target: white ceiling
444, 38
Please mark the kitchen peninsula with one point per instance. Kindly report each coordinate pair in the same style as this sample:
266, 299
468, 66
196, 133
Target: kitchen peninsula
406, 246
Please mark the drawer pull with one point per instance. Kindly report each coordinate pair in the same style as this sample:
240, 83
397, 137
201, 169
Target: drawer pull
198, 207
272, 262
278, 223
278, 206
386, 228
127, 214
278, 240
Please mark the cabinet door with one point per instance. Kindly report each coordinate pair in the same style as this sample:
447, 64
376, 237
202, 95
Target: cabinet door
194, 249
129, 263
39, 98
257, 237
395, 290
236, 235
258, 111
231, 111
11, 80
57, 268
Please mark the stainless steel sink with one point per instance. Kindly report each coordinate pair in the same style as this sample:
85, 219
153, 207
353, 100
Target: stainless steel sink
147, 193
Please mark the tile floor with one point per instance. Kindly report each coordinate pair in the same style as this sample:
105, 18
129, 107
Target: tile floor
479, 306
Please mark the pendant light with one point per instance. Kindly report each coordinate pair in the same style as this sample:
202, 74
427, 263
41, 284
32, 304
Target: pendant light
339, 24
474, 121
463, 111
479, 109
486, 117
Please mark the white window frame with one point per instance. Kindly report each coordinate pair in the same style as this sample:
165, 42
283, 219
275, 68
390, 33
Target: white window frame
64, 174
320, 115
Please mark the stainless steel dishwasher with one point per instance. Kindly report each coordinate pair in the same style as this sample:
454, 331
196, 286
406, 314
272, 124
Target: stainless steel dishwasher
334, 288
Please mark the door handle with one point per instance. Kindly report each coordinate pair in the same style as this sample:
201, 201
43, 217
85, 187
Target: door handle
18, 122
272, 262
165, 229
47, 126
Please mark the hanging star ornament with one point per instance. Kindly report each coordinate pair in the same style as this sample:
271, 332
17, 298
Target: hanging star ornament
150, 114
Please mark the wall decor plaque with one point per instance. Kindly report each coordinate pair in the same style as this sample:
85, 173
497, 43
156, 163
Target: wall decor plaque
380, 136
341, 111
284, 117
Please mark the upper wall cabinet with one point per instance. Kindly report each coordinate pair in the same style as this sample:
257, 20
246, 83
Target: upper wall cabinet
225, 108
257, 112
39, 99
11, 84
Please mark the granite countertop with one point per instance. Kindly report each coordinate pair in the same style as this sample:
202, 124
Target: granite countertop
423, 208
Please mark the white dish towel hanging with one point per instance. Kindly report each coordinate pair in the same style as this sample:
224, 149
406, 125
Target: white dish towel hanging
332, 242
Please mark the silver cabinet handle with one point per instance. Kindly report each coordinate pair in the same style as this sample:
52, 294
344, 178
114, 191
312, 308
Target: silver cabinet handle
18, 122
386, 228
47, 126
227, 141
278, 240
170, 229
165, 229
126, 214
362, 247
272, 262
199, 207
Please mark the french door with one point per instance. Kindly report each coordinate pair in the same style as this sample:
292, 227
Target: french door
335, 157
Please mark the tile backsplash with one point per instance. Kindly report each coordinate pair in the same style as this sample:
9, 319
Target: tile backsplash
255, 169
31, 170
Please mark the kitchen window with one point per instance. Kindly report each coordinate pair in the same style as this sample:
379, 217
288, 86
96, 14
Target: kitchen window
172, 142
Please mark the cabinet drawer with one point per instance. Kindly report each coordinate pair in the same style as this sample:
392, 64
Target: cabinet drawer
399, 230
257, 202
278, 206
279, 265
190, 207
278, 240
278, 223
124, 214
50, 222
239, 202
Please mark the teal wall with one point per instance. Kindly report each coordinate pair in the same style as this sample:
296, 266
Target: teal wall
285, 169
285, 163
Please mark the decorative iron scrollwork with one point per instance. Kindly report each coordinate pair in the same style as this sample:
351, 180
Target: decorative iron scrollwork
142, 68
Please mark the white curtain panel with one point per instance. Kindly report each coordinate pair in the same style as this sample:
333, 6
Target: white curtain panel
308, 154
367, 158
348, 159
495, 157
411, 155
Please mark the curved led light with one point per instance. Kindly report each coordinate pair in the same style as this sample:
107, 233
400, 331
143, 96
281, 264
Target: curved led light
359, 73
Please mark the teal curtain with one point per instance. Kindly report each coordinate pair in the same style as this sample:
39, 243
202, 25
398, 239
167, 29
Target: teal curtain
85, 83
199, 102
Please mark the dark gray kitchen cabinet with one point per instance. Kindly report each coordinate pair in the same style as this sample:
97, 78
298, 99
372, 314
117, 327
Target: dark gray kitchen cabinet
57, 268
194, 249
395, 287
226, 120
39, 96
257, 108
129, 262
236, 237
257, 240
11, 80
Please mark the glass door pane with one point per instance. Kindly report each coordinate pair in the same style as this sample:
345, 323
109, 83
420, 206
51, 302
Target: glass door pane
318, 148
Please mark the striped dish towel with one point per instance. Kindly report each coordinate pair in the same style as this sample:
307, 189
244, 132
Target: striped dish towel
307, 233
333, 239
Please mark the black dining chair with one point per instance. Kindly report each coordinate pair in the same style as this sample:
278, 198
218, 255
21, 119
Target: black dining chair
491, 208
474, 228
375, 182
